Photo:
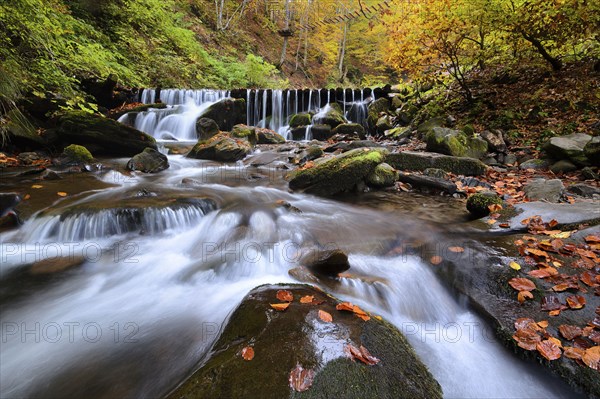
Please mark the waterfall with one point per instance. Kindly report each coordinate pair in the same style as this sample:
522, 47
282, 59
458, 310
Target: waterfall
181, 96
277, 116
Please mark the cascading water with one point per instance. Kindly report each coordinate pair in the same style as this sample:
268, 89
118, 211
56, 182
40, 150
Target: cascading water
146, 306
182, 96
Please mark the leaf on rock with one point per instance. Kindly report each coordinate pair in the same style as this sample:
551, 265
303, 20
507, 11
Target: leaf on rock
345, 306
248, 353
456, 249
285, 296
573, 353
522, 296
325, 316
527, 338
569, 332
61, 194
37, 186
521, 284
361, 354
549, 349
551, 302
280, 306
514, 265
307, 299
360, 313
301, 379
592, 239
591, 357
495, 207
543, 273
436, 260
576, 301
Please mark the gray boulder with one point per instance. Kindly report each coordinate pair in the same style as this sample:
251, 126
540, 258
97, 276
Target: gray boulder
544, 190
455, 143
221, 147
206, 128
148, 161
569, 147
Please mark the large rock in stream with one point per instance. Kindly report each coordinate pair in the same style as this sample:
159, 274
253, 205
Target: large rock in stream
455, 143
419, 161
282, 340
221, 147
101, 135
227, 112
336, 174
569, 147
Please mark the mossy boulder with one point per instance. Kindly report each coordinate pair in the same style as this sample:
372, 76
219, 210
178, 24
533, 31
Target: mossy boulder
206, 128
592, 151
406, 114
339, 173
148, 161
419, 161
321, 132
536, 164
227, 112
20, 133
569, 147
301, 119
350, 129
382, 176
374, 110
268, 136
311, 153
455, 143
77, 154
398, 133
424, 128
246, 132
282, 340
101, 135
384, 123
331, 115
221, 147
478, 203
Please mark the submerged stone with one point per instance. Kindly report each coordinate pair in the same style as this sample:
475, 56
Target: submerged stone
221, 147
148, 161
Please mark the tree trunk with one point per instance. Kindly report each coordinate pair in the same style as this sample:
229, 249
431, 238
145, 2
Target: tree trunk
554, 62
285, 38
343, 52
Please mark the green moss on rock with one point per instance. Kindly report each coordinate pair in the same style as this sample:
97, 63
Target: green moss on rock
382, 176
78, 154
301, 119
478, 203
337, 174
101, 135
242, 131
221, 147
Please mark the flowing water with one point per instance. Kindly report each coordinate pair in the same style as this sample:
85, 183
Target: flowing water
169, 256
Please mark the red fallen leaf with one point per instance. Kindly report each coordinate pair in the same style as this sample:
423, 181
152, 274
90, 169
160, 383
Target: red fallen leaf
557, 244
307, 299
582, 343
573, 353
575, 301
543, 273
569, 332
504, 225
551, 302
521, 284
361, 354
561, 287
552, 223
522, 296
591, 357
248, 353
280, 306
595, 337
301, 379
588, 279
326, 317
549, 349
285, 296
527, 338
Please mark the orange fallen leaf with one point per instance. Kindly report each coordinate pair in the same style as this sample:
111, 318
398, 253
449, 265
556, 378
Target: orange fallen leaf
554, 312
522, 296
248, 353
280, 306
576, 301
345, 306
574, 353
61, 194
361, 354
456, 249
521, 284
37, 186
284, 295
569, 332
436, 260
26, 197
301, 379
543, 323
549, 349
360, 313
591, 357
325, 316
307, 299
495, 207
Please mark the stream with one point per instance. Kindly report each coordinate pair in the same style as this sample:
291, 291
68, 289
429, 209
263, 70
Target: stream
168, 257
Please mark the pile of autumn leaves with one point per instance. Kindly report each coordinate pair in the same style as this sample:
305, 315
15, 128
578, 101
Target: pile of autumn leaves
301, 379
544, 257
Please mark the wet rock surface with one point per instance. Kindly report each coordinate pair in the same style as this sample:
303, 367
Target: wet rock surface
281, 340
